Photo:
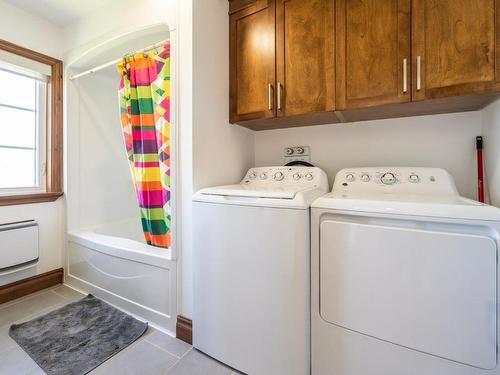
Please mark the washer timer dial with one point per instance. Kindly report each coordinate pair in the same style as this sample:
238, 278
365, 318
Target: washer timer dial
278, 176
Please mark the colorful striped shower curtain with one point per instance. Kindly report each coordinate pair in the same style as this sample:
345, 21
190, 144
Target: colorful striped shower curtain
144, 96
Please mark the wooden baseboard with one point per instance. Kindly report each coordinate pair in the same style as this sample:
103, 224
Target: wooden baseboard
184, 329
30, 285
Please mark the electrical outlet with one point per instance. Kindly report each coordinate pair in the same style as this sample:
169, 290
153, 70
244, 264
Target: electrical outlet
296, 153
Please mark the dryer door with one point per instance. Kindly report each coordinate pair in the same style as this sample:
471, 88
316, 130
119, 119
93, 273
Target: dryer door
431, 289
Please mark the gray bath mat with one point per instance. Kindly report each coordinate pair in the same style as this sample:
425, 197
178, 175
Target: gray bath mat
78, 337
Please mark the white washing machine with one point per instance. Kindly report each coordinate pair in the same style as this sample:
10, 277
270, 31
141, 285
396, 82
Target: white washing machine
252, 270
404, 276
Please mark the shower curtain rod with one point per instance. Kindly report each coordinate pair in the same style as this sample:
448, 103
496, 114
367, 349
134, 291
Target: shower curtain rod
114, 62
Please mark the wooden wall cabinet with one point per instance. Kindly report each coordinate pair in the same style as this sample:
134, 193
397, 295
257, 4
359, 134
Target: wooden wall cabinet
307, 62
252, 62
281, 60
373, 55
455, 47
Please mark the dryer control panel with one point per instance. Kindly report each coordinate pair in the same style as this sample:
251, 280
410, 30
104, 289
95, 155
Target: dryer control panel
307, 177
404, 180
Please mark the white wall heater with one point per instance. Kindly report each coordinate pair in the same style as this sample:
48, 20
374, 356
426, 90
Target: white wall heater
18, 245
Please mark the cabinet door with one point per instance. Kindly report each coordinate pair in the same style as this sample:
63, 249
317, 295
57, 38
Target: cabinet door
305, 56
373, 52
252, 62
455, 47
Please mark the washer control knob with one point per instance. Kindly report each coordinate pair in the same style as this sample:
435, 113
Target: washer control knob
388, 178
252, 176
299, 150
365, 177
296, 176
289, 151
278, 176
309, 176
263, 175
350, 177
414, 178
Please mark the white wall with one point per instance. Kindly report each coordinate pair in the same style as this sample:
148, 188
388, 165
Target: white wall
185, 183
27, 30
117, 18
32, 32
491, 139
106, 190
445, 141
221, 152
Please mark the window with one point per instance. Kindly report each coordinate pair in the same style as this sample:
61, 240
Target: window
30, 126
23, 102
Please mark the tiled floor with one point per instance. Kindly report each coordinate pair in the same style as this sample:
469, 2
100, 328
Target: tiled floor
154, 353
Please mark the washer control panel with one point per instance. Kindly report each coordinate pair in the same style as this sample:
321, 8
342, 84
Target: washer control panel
395, 179
285, 176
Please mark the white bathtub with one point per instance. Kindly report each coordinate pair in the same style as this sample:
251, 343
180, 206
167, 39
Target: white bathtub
114, 263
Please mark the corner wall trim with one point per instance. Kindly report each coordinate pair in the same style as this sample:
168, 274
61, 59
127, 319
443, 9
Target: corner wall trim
30, 285
184, 329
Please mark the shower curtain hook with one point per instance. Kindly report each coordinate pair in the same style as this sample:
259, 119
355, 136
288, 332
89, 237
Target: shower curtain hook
125, 63
129, 56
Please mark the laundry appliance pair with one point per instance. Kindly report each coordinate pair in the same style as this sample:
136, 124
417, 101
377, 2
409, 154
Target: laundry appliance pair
391, 273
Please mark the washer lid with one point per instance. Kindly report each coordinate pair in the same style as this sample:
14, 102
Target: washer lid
253, 191
295, 198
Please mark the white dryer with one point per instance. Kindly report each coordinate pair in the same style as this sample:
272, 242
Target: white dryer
252, 270
404, 276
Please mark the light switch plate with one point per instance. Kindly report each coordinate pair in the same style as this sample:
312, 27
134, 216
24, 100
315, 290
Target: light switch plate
296, 153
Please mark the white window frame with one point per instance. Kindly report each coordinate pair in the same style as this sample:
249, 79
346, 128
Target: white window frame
41, 123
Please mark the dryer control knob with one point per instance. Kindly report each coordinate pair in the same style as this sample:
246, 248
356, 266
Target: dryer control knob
388, 178
263, 175
252, 176
414, 178
278, 176
365, 177
350, 177
309, 176
296, 176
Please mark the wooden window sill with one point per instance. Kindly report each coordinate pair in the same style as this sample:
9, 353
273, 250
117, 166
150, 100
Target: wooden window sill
10, 200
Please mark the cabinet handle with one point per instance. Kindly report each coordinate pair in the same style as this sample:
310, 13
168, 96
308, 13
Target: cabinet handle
419, 73
270, 96
279, 96
405, 78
